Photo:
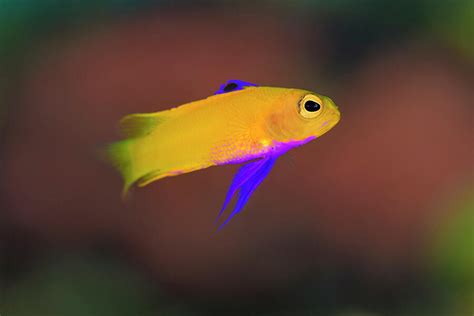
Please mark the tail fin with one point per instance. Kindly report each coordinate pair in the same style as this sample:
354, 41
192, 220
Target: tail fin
119, 156
123, 154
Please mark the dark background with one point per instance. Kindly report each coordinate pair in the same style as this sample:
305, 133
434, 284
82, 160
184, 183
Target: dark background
375, 218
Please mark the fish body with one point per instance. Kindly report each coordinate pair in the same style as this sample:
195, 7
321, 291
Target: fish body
241, 122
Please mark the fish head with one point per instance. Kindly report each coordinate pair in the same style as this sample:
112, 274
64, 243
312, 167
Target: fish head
300, 115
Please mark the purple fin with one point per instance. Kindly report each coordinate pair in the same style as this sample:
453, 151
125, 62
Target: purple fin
234, 85
247, 179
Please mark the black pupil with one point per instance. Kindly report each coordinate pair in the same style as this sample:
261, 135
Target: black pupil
231, 86
311, 106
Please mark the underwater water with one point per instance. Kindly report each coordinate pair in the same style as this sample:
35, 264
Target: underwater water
374, 218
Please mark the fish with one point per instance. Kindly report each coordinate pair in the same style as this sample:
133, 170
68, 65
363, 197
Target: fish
241, 122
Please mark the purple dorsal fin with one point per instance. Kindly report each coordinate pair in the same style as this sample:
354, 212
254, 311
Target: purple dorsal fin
234, 85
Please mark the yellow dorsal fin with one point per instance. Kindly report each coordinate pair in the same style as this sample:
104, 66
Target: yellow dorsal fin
139, 125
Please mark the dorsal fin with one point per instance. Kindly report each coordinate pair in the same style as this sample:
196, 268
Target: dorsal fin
139, 125
234, 85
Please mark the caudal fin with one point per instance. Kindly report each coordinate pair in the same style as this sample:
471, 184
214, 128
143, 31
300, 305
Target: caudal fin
119, 156
127, 155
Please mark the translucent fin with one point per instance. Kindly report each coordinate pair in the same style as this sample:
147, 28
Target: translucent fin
247, 179
121, 154
118, 155
150, 177
139, 125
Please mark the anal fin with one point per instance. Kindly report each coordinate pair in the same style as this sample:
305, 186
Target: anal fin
245, 182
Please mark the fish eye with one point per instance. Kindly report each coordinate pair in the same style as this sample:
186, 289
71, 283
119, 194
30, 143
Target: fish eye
310, 106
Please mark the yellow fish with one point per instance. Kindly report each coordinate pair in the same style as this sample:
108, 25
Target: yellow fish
241, 122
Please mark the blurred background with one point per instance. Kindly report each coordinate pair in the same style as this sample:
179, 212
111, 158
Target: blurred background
375, 218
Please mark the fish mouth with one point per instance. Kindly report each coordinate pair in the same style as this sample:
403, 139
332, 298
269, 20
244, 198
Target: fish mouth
337, 116
335, 119
328, 124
